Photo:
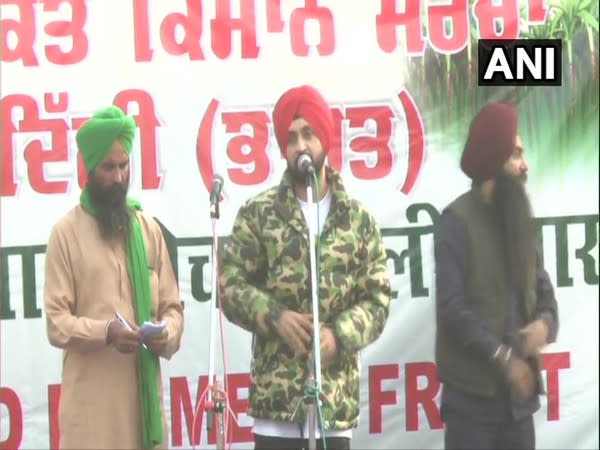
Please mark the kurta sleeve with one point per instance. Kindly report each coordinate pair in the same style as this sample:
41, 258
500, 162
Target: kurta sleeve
170, 308
66, 330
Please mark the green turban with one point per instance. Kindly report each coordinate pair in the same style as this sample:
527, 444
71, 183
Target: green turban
97, 136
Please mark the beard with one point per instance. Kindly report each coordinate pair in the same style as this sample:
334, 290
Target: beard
300, 178
515, 218
112, 213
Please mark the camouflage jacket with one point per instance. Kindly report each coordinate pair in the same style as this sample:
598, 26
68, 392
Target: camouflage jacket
266, 270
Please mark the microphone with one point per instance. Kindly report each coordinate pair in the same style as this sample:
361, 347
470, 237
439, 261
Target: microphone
215, 193
304, 164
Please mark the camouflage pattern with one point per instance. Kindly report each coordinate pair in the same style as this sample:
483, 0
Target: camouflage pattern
266, 270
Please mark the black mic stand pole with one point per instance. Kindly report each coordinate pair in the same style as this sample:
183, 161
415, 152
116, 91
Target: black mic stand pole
314, 363
216, 401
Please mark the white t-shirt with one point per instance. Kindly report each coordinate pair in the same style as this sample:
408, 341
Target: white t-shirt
266, 427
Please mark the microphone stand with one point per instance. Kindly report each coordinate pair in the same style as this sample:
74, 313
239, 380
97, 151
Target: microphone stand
215, 401
313, 390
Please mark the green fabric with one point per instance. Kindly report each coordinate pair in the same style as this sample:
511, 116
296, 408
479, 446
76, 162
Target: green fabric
148, 365
97, 136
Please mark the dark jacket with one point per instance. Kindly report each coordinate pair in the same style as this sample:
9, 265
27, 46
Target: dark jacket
476, 310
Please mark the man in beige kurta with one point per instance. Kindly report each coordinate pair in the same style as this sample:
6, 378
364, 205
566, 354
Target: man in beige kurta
86, 283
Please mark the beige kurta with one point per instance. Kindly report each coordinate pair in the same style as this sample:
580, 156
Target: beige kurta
86, 283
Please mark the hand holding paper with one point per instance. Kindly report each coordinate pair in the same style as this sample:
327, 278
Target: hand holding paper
150, 328
121, 335
155, 336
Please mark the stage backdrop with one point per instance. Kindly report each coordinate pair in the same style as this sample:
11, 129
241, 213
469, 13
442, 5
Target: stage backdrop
201, 78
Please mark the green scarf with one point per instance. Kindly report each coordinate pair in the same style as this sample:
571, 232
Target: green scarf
148, 365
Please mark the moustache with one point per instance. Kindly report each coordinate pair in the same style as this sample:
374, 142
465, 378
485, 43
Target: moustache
114, 194
117, 190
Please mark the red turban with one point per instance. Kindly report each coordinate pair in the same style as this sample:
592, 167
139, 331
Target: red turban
306, 102
491, 141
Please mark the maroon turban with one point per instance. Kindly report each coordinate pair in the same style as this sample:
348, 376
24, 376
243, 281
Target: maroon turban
491, 141
306, 102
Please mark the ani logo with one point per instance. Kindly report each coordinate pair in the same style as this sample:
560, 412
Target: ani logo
521, 62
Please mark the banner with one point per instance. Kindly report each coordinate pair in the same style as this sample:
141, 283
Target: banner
201, 78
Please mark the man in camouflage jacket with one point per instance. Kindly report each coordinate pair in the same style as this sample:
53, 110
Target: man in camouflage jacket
266, 285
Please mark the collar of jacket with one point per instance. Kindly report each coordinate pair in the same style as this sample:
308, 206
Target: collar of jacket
288, 208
